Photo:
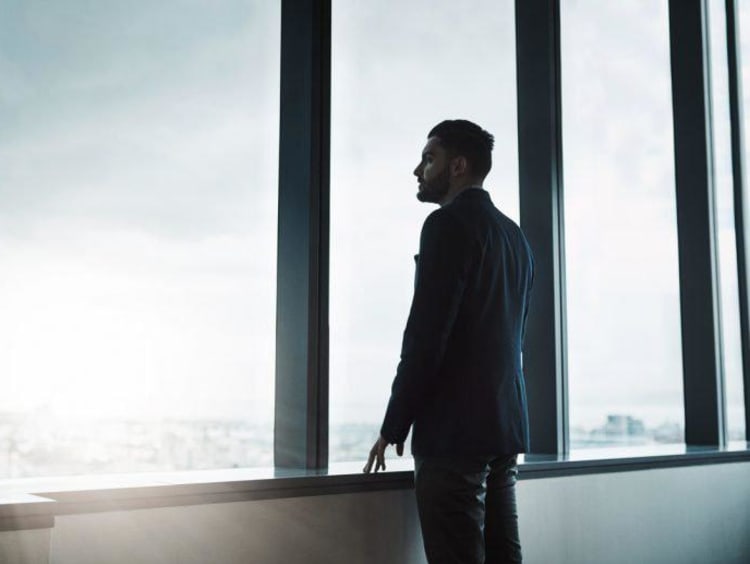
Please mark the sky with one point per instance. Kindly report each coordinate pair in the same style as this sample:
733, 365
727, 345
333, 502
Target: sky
138, 173
621, 232
138, 168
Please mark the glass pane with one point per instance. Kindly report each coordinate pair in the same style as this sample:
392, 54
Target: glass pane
138, 169
727, 249
625, 365
396, 73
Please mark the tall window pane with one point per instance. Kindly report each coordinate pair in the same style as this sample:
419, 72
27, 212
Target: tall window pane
625, 367
727, 250
395, 74
138, 171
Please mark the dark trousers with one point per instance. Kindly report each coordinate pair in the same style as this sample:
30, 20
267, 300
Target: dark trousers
467, 509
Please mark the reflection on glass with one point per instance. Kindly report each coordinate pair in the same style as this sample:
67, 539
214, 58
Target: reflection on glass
137, 235
727, 250
624, 363
395, 74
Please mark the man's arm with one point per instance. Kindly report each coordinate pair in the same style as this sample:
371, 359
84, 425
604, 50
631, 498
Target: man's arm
442, 271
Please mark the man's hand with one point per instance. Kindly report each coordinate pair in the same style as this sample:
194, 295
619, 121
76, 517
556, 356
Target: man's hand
377, 452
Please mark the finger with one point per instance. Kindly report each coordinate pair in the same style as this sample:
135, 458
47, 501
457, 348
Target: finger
370, 460
381, 458
400, 449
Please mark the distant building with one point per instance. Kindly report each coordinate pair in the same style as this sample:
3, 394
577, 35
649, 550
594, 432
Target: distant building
624, 425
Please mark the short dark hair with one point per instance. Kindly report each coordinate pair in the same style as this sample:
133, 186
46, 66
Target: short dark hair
463, 138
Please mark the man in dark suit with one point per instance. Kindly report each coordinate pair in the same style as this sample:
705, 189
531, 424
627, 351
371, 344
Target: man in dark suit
460, 382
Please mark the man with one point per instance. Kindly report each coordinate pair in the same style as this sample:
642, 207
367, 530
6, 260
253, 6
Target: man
460, 381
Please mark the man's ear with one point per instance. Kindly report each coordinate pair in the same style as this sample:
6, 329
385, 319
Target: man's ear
459, 166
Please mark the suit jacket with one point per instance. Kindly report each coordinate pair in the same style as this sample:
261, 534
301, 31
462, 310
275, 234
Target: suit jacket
460, 381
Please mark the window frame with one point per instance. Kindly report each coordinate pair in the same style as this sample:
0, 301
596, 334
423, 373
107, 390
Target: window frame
302, 406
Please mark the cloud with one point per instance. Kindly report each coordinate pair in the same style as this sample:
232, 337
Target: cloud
132, 121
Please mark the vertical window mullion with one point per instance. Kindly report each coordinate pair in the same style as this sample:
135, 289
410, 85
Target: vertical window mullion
541, 190
301, 404
699, 294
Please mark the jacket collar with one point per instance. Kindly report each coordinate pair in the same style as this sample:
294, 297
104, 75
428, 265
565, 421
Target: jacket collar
473, 193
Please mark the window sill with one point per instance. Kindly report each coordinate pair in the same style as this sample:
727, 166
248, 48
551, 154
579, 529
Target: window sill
624, 459
33, 503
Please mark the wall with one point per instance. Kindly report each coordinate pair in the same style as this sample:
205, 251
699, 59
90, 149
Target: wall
698, 514
27, 547
374, 527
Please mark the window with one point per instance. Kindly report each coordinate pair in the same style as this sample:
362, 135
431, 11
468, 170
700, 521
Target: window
623, 307
395, 74
138, 174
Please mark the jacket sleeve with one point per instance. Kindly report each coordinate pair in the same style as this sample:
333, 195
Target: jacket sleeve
442, 272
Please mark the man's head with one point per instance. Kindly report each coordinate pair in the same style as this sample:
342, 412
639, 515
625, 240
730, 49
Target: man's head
458, 154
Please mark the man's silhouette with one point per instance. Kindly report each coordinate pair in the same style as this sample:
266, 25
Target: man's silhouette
460, 381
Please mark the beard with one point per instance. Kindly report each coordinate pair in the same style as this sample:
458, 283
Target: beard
436, 189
